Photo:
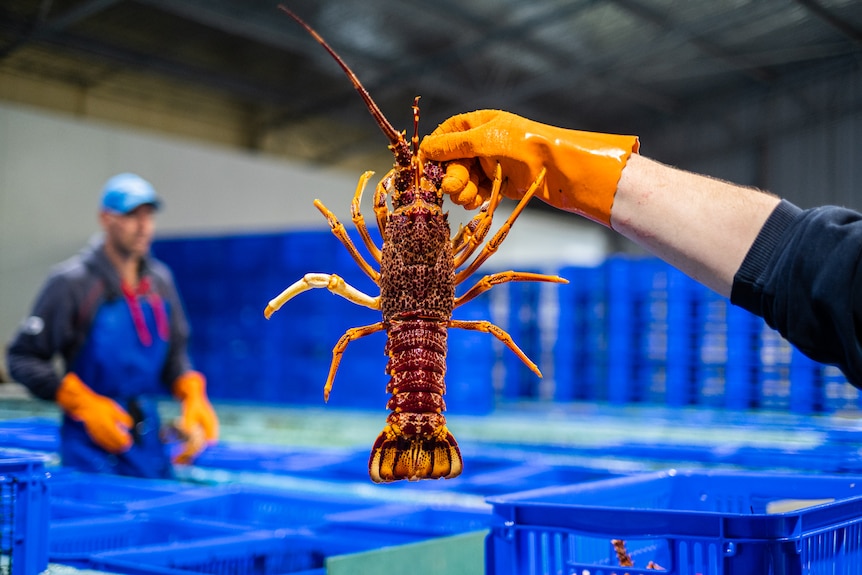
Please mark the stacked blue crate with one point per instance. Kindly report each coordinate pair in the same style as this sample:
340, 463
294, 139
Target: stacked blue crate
742, 373
806, 384
774, 384
711, 324
623, 327
651, 283
683, 344
470, 360
580, 350
525, 327
630, 330
200, 267
243, 343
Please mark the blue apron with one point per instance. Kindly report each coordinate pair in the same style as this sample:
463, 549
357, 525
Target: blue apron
123, 359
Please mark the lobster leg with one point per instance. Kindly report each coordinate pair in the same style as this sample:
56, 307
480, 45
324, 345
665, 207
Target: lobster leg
477, 228
350, 335
381, 212
499, 333
339, 232
501, 234
492, 280
359, 219
332, 282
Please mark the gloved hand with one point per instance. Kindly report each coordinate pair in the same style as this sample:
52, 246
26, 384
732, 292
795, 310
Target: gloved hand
198, 423
583, 168
106, 422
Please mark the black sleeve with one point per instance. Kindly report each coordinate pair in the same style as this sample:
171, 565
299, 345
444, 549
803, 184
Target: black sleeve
49, 330
802, 275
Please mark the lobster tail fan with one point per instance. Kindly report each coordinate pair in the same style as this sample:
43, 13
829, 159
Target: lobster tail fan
396, 456
394, 135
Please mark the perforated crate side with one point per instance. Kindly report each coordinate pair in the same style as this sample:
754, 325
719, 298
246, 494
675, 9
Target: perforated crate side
254, 507
24, 513
77, 540
429, 521
709, 523
254, 553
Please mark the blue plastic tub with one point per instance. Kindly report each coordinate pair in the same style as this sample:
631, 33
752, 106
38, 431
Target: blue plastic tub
253, 507
690, 523
24, 513
428, 521
265, 459
531, 476
75, 494
32, 433
73, 542
252, 553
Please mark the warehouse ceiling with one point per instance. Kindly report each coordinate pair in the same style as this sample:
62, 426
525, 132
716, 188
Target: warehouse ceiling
613, 65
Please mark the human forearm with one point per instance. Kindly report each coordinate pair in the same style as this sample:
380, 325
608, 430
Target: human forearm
700, 225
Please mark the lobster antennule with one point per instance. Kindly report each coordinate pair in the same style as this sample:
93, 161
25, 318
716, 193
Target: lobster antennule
390, 132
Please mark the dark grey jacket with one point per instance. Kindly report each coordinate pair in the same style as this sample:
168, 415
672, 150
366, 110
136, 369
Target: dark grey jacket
62, 315
803, 275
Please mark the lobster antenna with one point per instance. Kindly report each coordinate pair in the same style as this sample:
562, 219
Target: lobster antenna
390, 132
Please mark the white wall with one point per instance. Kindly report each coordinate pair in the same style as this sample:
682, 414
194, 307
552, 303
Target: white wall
52, 168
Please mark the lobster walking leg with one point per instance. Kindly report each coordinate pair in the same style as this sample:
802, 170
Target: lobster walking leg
499, 333
359, 219
381, 211
494, 243
350, 335
492, 280
338, 230
477, 228
332, 282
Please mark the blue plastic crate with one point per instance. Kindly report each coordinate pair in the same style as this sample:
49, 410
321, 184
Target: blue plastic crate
257, 507
110, 491
75, 541
530, 476
690, 523
252, 553
23, 513
428, 521
267, 459
33, 433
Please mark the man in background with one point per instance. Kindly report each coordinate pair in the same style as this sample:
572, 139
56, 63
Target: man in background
112, 313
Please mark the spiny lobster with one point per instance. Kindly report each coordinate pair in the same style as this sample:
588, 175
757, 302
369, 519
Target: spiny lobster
417, 279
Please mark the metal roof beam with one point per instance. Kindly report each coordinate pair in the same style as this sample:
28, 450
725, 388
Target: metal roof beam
42, 27
821, 12
734, 61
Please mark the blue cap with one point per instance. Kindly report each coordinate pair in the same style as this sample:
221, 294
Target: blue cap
125, 192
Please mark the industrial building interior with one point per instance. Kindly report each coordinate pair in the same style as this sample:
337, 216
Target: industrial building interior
651, 381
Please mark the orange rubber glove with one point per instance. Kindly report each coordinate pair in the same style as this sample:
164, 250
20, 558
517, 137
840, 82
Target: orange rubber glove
106, 422
583, 168
198, 423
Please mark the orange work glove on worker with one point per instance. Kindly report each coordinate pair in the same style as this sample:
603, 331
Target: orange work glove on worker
105, 421
583, 168
198, 424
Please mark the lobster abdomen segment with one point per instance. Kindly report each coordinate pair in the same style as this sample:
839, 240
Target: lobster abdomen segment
415, 444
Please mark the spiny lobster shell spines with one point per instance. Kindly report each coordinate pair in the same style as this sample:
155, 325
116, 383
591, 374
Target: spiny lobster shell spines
415, 443
417, 295
417, 279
